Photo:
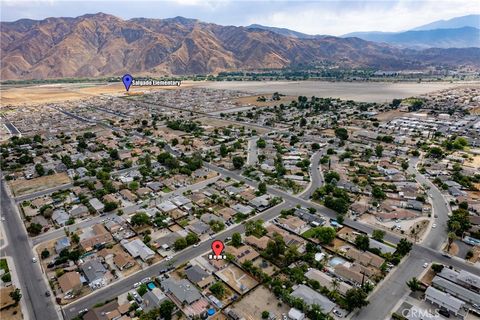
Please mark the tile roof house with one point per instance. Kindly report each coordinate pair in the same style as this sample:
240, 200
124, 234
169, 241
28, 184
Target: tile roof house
101, 237
123, 261
260, 243
70, 283
243, 253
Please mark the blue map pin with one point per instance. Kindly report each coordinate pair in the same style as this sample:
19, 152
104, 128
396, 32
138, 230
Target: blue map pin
127, 81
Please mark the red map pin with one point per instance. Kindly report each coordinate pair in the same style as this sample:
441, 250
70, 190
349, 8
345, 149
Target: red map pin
217, 247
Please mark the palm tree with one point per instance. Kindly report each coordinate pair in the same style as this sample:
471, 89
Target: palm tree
451, 237
413, 284
335, 284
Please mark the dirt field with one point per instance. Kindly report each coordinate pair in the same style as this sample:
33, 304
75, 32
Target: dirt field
358, 91
389, 115
12, 313
237, 279
219, 123
69, 91
22, 187
253, 100
259, 300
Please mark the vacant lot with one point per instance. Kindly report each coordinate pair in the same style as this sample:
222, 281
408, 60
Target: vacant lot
22, 187
358, 91
220, 123
261, 299
14, 95
237, 279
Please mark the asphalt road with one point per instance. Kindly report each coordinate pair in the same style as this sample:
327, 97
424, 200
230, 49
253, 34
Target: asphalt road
437, 236
120, 287
384, 299
316, 176
32, 283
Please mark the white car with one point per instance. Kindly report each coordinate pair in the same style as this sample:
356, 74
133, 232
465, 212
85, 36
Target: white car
137, 284
34, 260
196, 245
434, 226
425, 264
169, 258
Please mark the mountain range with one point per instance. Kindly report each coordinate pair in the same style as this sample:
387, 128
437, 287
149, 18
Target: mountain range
103, 45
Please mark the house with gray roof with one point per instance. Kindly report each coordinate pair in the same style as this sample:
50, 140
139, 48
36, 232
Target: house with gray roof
60, 217
138, 249
183, 291
444, 300
153, 299
456, 290
62, 243
198, 227
94, 272
311, 297
96, 204
79, 211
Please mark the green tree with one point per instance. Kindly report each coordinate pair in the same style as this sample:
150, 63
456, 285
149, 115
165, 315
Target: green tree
262, 188
39, 169
379, 150
404, 247
362, 241
223, 150
75, 238
218, 289
34, 228
261, 143
378, 235
238, 162
16, 295
330, 175
191, 238
110, 206
236, 239
325, 234
265, 314
180, 243
45, 253
166, 309
341, 133
140, 219
142, 289
355, 298
459, 221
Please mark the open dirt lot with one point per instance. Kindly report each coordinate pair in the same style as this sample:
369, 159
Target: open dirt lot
47, 93
259, 300
21, 187
253, 100
237, 279
359, 91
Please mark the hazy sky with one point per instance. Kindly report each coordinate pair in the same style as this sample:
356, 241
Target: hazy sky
313, 17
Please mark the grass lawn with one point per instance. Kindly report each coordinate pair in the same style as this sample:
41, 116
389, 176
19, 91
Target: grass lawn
166, 190
310, 233
4, 265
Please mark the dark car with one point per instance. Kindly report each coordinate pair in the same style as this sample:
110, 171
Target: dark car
47, 293
444, 313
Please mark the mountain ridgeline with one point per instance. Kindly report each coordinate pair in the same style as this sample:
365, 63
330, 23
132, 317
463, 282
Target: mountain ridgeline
96, 45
